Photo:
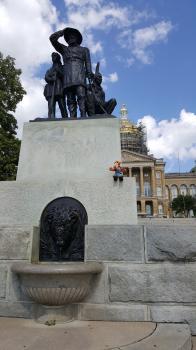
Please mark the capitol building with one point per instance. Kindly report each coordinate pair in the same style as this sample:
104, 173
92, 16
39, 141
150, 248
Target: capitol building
155, 188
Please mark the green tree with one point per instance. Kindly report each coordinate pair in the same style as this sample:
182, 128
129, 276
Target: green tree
11, 93
183, 204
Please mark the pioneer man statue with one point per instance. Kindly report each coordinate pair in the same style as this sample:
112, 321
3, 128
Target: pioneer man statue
53, 90
77, 67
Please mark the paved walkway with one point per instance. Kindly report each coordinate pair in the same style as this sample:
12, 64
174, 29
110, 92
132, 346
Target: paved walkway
21, 334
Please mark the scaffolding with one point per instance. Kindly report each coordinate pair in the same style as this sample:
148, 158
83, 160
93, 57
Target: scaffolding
133, 137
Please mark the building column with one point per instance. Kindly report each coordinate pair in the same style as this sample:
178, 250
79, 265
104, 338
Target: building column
141, 182
143, 208
153, 181
130, 172
155, 207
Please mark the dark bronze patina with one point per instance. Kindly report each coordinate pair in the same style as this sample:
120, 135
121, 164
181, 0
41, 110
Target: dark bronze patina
95, 99
53, 90
77, 66
62, 230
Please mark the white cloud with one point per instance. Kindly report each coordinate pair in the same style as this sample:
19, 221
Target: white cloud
33, 104
93, 46
86, 14
140, 40
111, 78
172, 138
25, 27
145, 37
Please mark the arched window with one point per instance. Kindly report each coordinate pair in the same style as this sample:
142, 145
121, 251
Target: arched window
183, 190
174, 191
193, 190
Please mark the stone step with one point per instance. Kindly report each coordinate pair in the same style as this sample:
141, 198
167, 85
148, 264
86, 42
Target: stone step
165, 337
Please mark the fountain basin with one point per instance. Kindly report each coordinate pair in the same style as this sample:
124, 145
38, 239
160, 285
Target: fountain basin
56, 284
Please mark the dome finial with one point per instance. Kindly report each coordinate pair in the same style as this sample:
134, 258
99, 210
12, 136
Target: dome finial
123, 113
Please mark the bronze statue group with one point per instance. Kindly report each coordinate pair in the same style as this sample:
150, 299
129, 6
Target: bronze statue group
73, 84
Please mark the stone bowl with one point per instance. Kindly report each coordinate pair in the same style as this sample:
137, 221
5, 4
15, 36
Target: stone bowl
56, 284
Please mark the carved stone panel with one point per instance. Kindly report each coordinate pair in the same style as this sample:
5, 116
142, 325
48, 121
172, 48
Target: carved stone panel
62, 230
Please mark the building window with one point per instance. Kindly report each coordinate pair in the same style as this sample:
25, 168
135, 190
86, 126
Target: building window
159, 191
174, 192
158, 174
137, 188
160, 209
183, 190
136, 174
147, 189
149, 209
166, 192
193, 190
139, 207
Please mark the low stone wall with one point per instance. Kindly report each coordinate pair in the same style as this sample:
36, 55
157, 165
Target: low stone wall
149, 273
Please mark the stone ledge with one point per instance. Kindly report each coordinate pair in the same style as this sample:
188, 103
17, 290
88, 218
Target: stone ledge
103, 312
169, 313
114, 243
16, 309
165, 337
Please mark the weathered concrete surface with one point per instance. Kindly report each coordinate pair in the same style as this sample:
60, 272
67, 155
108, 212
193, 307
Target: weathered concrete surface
174, 313
27, 201
153, 283
99, 288
3, 280
103, 312
54, 150
114, 243
165, 337
174, 243
9, 308
20, 334
15, 242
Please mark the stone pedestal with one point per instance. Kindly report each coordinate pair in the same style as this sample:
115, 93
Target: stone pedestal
69, 158
68, 150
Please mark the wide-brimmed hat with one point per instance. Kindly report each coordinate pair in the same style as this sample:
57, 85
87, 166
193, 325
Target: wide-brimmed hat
72, 31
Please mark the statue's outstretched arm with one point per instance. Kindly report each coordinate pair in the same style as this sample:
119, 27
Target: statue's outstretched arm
54, 41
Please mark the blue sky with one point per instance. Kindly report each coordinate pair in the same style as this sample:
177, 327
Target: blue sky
147, 54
